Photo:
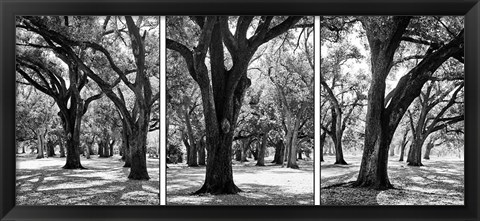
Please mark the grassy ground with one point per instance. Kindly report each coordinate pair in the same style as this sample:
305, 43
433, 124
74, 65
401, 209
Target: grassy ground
439, 182
104, 182
268, 185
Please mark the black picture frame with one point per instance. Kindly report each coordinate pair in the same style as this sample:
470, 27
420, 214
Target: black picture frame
10, 8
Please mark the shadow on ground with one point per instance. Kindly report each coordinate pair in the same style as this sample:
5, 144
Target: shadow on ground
439, 182
104, 182
268, 185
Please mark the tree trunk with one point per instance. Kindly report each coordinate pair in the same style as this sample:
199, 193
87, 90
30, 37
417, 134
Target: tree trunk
50, 149
402, 152
279, 152
245, 143
72, 124
87, 151
138, 152
126, 157
111, 148
191, 151
292, 159
192, 158
220, 124
62, 147
261, 150
336, 127
300, 154
403, 145
289, 134
392, 150
40, 144
100, 148
201, 152
373, 169
73, 152
322, 144
238, 152
103, 148
378, 129
428, 150
23, 148
88, 148
415, 153
191, 143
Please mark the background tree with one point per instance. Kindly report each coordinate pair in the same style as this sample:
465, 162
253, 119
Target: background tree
430, 120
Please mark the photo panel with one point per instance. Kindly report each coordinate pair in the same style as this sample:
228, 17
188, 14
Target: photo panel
239, 110
87, 110
392, 110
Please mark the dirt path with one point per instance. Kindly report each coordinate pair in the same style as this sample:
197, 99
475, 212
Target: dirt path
104, 182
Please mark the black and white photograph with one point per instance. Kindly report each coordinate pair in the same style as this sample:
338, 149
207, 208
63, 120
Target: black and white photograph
87, 110
392, 110
240, 110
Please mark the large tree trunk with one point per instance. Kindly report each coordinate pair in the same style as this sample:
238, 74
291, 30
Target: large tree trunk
261, 150
138, 153
72, 120
373, 169
219, 174
378, 132
73, 152
73, 136
220, 128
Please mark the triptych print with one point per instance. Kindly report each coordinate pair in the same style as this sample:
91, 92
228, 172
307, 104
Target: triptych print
240, 110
